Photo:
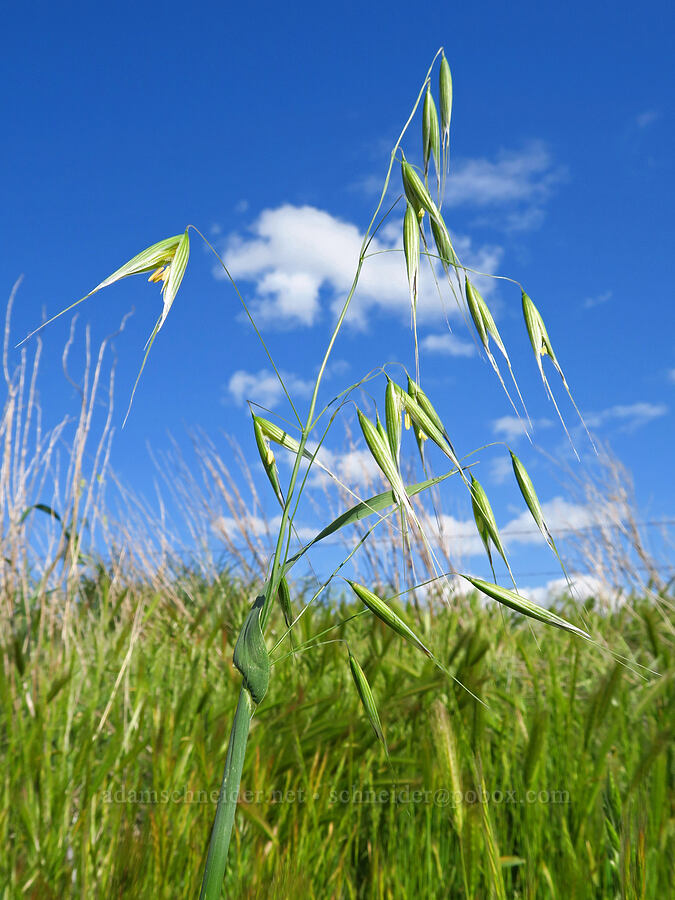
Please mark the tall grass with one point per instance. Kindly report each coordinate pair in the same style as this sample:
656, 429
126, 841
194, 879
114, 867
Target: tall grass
111, 747
113, 723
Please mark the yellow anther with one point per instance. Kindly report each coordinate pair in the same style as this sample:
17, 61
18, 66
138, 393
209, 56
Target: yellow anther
157, 275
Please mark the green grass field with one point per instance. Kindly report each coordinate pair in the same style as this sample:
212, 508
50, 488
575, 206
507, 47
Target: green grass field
115, 723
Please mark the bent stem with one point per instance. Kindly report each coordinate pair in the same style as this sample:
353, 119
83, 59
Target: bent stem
221, 832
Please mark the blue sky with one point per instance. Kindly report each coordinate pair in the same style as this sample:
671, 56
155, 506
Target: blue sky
270, 130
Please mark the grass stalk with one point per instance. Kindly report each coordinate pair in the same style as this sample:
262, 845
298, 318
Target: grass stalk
221, 831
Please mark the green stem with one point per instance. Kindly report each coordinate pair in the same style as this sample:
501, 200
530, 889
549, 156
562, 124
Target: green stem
227, 801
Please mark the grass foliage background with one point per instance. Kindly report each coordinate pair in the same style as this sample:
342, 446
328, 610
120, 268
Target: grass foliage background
135, 699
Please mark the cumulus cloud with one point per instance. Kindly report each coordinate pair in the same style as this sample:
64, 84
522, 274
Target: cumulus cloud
461, 539
264, 388
583, 587
458, 537
447, 344
354, 468
301, 259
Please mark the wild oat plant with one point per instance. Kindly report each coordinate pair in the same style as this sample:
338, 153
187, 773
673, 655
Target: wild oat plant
426, 241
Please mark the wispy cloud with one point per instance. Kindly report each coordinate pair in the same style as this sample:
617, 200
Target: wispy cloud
597, 300
511, 428
671, 376
256, 526
301, 259
264, 388
447, 344
517, 181
647, 118
501, 469
629, 417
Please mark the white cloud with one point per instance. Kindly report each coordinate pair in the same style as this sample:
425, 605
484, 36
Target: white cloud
257, 526
289, 295
583, 587
301, 258
263, 387
646, 118
501, 470
337, 368
511, 428
447, 344
598, 300
630, 416
522, 179
560, 516
461, 538
458, 536
353, 468
356, 467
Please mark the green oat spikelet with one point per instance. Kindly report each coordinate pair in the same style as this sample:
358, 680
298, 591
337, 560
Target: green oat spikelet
429, 425
486, 329
393, 408
279, 436
384, 612
421, 201
166, 261
378, 444
541, 345
431, 140
530, 496
411, 249
520, 604
532, 501
284, 596
417, 194
416, 392
486, 522
380, 428
443, 243
445, 90
387, 615
173, 274
267, 459
367, 699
